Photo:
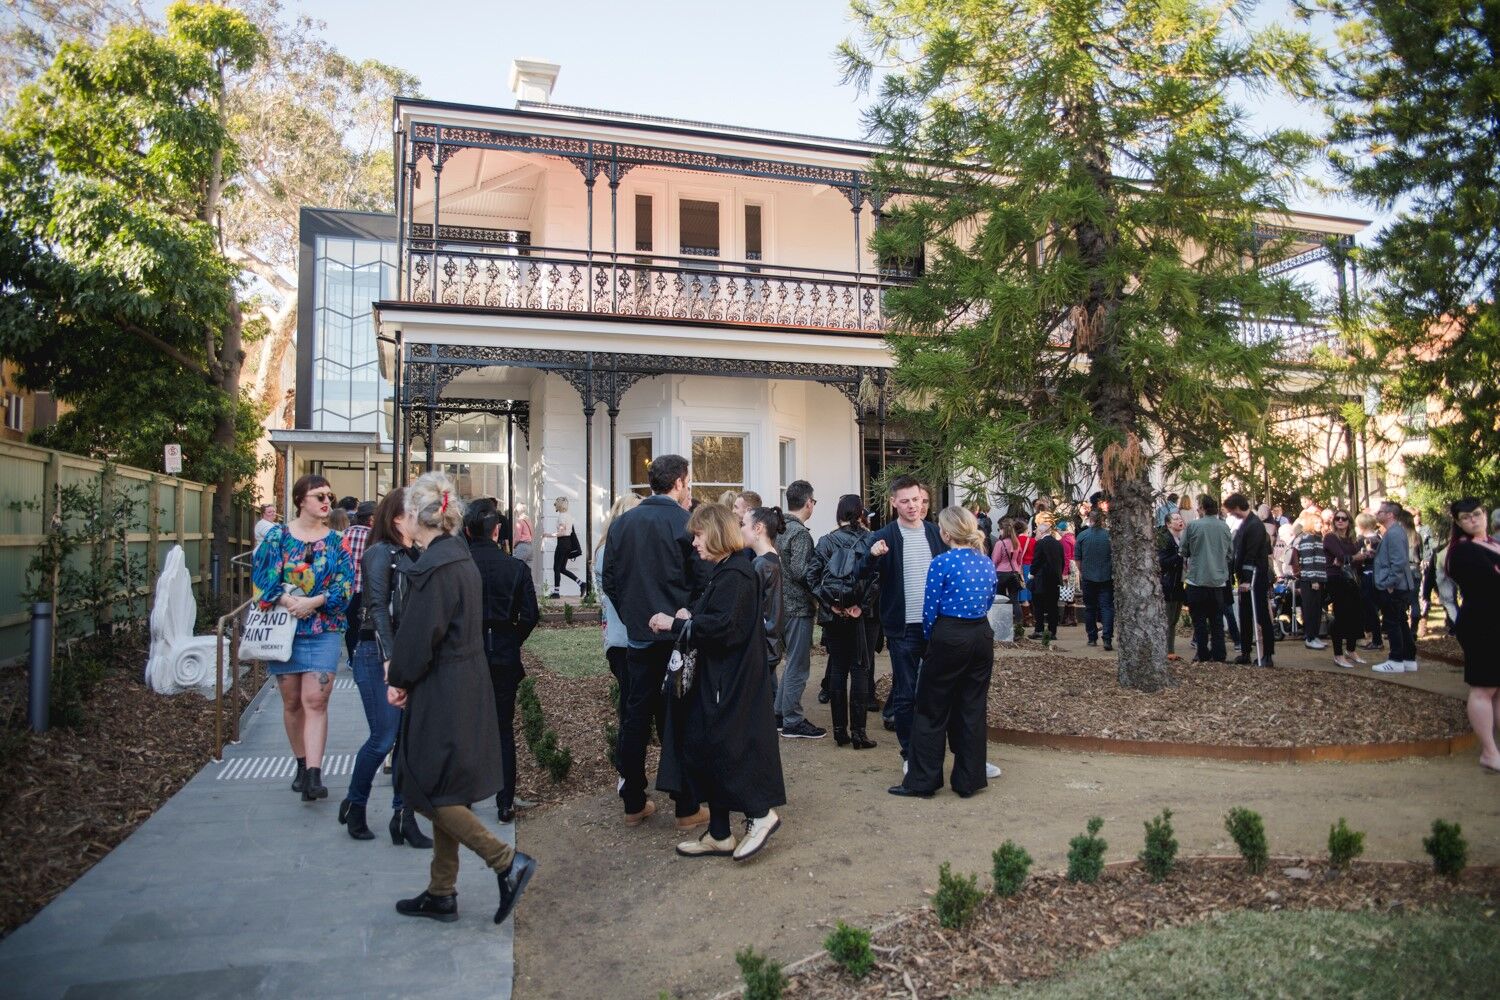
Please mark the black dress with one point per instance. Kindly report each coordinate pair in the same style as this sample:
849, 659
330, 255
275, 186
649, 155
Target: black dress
1475, 567
728, 752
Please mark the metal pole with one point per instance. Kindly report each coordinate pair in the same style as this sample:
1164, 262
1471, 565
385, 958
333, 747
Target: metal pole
39, 666
588, 183
437, 190
510, 476
588, 480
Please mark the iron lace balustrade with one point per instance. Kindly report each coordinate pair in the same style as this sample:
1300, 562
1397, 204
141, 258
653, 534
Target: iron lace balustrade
704, 289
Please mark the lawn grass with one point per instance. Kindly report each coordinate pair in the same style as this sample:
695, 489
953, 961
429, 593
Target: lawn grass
571, 652
1450, 952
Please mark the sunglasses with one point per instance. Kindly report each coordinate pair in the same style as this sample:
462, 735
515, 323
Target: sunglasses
323, 497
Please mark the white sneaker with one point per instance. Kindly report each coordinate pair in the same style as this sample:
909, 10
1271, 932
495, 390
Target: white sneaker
1339, 661
1389, 667
757, 832
1410, 665
990, 770
1315, 644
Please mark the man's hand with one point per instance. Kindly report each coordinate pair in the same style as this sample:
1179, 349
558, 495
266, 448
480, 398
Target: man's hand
684, 614
396, 696
660, 622
879, 548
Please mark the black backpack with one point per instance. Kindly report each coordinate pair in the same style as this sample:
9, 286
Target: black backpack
842, 585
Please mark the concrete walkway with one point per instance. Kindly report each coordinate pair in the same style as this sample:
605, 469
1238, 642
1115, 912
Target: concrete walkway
236, 888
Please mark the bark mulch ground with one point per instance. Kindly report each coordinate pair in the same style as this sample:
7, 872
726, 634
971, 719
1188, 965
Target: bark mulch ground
1052, 921
71, 794
1441, 647
1217, 704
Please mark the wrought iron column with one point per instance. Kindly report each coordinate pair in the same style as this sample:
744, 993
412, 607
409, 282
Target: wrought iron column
613, 409
431, 430
398, 476
510, 479
880, 377
437, 191
864, 466
588, 184
588, 476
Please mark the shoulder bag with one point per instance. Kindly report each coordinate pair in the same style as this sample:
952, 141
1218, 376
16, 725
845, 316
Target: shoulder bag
682, 668
268, 635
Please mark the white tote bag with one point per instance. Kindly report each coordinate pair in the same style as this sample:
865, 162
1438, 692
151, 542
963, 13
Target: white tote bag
268, 635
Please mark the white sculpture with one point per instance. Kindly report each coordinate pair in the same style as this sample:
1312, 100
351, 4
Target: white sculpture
179, 660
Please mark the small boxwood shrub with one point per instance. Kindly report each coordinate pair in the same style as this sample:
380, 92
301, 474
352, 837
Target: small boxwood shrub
1086, 853
1249, 834
957, 898
1344, 845
1449, 850
850, 948
764, 979
1012, 865
1160, 855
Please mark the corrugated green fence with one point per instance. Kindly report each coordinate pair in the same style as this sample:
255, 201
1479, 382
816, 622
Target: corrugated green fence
167, 511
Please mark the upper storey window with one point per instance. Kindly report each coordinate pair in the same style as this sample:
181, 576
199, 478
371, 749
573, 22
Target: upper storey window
643, 223
699, 228
752, 233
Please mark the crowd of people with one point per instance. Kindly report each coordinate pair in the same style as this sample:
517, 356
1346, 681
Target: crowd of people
710, 611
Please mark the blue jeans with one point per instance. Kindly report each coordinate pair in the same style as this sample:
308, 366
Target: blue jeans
797, 633
907, 649
383, 717
1099, 610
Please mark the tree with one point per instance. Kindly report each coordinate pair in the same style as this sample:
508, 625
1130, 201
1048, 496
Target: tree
1416, 126
113, 171
1088, 192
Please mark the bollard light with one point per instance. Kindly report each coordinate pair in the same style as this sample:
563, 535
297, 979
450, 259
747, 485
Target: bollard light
39, 666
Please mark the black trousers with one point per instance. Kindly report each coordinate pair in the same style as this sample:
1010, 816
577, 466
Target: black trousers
1206, 606
1396, 608
1348, 613
506, 678
951, 706
851, 670
616, 657
1044, 606
1312, 606
1255, 610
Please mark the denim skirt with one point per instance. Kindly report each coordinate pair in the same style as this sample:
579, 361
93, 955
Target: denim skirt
311, 654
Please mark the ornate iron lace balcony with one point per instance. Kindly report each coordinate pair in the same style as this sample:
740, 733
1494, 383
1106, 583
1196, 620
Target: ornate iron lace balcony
550, 279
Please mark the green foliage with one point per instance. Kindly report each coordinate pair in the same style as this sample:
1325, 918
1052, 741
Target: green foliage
1086, 853
612, 744
1449, 850
532, 719
764, 979
957, 898
1249, 834
1160, 854
556, 760
1011, 866
1412, 100
850, 948
567, 614
614, 696
1344, 845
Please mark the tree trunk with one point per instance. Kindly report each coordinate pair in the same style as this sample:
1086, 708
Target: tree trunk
1140, 610
225, 433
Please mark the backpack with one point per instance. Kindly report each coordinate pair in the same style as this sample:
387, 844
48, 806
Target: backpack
842, 585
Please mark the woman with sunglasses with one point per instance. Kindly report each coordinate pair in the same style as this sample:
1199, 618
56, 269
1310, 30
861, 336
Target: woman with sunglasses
1342, 547
304, 567
1474, 564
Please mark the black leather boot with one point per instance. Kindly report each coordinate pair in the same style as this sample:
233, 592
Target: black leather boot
838, 710
404, 828
353, 817
512, 883
313, 789
299, 781
860, 740
425, 904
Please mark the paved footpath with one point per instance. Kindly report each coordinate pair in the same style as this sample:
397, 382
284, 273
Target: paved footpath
236, 888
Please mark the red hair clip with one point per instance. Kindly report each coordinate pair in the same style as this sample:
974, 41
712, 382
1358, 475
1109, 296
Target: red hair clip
444, 508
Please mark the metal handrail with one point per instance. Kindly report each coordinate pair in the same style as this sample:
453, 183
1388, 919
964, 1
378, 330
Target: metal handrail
233, 619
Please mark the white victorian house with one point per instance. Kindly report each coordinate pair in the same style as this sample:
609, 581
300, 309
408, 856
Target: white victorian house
563, 293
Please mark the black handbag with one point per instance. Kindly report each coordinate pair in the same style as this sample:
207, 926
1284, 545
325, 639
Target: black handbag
682, 668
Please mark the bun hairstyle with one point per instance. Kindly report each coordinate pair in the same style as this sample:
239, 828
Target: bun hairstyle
771, 519
433, 502
481, 519
851, 509
560, 504
961, 527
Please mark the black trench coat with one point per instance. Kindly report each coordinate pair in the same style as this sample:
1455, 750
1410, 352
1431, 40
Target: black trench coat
728, 752
448, 753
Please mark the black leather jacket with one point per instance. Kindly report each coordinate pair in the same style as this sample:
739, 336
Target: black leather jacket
385, 593
845, 536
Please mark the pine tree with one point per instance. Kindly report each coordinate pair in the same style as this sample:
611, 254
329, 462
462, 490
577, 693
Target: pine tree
1416, 125
1088, 192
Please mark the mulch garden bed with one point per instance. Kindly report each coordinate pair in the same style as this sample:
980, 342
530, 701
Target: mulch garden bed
1053, 921
1215, 704
1441, 647
71, 795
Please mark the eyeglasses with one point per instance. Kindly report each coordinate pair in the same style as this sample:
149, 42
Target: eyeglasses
324, 497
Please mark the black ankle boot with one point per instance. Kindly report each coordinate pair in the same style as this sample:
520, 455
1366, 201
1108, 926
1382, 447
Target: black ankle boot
299, 782
313, 789
841, 737
353, 816
404, 829
425, 904
860, 740
512, 883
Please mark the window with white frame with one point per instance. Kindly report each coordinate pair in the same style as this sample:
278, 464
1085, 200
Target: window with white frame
15, 411
753, 245
638, 453
698, 228
786, 455
718, 465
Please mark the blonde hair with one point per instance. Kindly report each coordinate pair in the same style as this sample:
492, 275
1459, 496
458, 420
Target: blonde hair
433, 502
1365, 522
1311, 523
720, 531
728, 497
560, 504
961, 527
628, 501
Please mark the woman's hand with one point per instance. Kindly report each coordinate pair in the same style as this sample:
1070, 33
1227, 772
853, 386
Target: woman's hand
660, 622
300, 607
684, 614
396, 696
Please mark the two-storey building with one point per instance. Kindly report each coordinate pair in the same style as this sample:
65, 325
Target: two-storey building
564, 293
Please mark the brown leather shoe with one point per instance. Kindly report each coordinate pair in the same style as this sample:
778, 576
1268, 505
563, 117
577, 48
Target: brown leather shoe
696, 819
636, 819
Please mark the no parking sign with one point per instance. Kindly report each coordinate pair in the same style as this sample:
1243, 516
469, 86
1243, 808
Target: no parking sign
174, 459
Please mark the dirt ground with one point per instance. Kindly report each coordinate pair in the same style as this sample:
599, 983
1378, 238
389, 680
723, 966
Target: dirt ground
615, 913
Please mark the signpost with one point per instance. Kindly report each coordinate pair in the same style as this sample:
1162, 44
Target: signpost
174, 459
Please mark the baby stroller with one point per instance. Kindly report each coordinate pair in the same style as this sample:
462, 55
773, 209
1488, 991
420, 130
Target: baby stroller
1284, 607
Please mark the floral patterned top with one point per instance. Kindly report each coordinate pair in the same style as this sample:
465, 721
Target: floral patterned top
283, 564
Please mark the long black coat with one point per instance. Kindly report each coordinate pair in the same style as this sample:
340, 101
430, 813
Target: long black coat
510, 608
449, 750
650, 564
728, 748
